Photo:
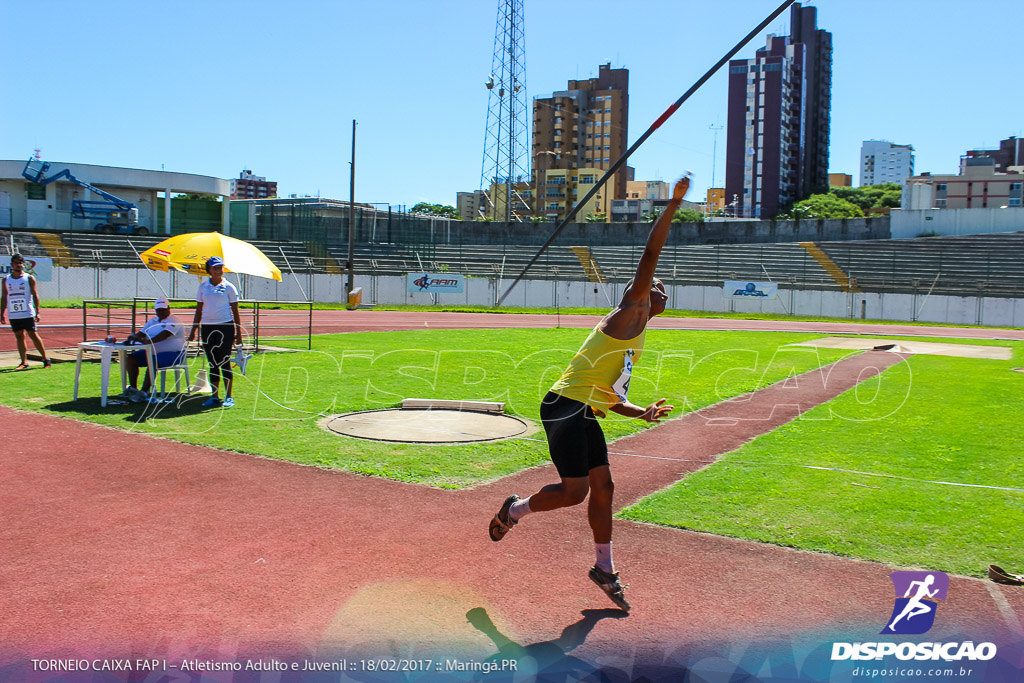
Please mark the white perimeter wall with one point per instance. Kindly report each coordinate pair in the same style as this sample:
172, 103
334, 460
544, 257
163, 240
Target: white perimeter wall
90, 283
907, 223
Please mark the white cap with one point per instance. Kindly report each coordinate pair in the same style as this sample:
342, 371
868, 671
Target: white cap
161, 303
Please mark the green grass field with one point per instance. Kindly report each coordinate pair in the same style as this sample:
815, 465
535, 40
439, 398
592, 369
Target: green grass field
954, 420
378, 369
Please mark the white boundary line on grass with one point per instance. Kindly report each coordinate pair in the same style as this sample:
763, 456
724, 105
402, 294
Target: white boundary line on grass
809, 467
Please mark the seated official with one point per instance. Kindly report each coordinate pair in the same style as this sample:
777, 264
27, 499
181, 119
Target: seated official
167, 335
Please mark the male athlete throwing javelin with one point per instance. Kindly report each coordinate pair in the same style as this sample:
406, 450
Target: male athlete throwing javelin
596, 381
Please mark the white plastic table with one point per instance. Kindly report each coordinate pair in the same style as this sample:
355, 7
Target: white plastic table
107, 351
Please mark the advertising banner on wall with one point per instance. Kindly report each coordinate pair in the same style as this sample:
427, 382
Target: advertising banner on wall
40, 268
436, 283
740, 289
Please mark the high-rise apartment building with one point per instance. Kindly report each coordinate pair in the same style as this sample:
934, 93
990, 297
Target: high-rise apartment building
883, 162
779, 111
582, 130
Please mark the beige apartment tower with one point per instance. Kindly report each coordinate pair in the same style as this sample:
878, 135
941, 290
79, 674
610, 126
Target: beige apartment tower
580, 131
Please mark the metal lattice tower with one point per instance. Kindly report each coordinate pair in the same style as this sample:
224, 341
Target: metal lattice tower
506, 156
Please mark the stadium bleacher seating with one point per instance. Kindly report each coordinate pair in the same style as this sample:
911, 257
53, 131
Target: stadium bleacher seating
963, 265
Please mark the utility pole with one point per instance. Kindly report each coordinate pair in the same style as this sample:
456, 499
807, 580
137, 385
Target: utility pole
351, 219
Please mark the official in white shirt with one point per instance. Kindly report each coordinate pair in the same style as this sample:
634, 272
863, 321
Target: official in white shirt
167, 335
217, 313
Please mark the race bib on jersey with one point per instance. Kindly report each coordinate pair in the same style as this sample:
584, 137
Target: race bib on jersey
19, 305
621, 386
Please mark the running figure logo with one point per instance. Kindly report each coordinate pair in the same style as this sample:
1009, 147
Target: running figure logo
916, 596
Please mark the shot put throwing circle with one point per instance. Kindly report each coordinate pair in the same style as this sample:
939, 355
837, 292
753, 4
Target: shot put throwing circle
427, 425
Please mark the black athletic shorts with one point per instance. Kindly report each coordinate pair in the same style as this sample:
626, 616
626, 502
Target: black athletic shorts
26, 324
217, 341
575, 439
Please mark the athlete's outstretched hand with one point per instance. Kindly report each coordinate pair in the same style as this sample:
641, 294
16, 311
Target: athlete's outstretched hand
656, 412
682, 186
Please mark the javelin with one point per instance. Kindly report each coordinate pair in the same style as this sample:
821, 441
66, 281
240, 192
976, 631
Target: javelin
654, 126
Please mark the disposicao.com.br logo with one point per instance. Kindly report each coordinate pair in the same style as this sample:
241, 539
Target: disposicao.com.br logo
913, 613
917, 595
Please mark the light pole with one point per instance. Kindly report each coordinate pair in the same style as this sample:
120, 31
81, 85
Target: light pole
714, 159
351, 219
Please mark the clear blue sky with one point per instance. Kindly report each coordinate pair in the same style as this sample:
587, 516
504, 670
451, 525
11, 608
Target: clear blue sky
215, 87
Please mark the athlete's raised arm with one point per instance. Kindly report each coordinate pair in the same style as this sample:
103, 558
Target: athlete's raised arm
644, 296
640, 289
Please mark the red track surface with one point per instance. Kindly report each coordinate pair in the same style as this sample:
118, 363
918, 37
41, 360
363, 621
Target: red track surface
124, 545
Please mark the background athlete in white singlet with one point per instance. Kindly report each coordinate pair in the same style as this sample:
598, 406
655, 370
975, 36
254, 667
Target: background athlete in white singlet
19, 301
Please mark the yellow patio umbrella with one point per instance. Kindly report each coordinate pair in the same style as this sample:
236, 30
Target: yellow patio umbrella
189, 253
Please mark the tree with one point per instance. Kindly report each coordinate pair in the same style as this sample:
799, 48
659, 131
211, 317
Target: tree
440, 210
854, 195
823, 206
196, 196
597, 218
652, 216
688, 216
796, 213
883, 195
891, 199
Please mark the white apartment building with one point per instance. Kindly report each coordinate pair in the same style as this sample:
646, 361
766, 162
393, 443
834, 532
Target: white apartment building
883, 162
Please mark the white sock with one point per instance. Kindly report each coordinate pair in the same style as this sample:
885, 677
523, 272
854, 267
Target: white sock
604, 556
519, 509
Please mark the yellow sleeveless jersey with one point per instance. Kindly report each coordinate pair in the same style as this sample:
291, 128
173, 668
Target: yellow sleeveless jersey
600, 372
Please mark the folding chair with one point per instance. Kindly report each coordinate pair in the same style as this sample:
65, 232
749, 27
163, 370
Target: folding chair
177, 368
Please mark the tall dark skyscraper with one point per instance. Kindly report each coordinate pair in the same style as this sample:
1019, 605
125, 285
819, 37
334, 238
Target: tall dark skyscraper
779, 109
